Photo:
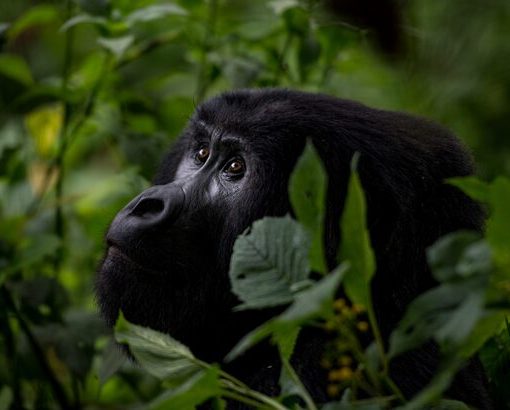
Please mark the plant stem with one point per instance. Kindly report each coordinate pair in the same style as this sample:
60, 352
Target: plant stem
57, 388
231, 383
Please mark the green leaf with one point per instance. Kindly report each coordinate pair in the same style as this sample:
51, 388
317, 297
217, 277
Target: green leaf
309, 304
82, 19
154, 12
448, 313
291, 385
158, 353
270, 263
498, 225
34, 16
37, 248
459, 254
355, 246
111, 361
446, 404
194, 391
15, 68
118, 45
6, 398
472, 186
307, 191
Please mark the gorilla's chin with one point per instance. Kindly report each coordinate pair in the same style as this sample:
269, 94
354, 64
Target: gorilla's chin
166, 301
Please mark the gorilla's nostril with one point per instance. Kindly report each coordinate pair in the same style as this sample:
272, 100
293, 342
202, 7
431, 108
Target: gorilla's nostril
148, 207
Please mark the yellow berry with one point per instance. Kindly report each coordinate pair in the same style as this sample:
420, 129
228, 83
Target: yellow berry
345, 360
333, 390
345, 373
356, 308
339, 304
362, 326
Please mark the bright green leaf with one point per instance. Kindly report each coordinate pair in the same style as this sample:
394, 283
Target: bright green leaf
355, 246
15, 68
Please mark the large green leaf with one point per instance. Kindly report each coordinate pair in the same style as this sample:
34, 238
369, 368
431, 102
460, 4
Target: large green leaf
307, 191
158, 353
270, 263
355, 246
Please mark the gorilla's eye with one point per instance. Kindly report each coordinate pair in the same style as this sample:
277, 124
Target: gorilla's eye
235, 167
202, 154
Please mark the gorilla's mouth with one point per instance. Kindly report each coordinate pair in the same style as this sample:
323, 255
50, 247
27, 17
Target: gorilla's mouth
114, 253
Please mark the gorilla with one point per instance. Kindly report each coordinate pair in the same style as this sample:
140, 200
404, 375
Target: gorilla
168, 251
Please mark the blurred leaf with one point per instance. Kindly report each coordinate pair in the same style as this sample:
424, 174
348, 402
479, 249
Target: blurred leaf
117, 46
158, 353
472, 186
6, 398
95, 7
459, 254
194, 391
15, 68
296, 20
44, 125
154, 12
34, 16
307, 191
269, 263
280, 6
35, 249
311, 303
308, 54
355, 246
84, 18
354, 406
111, 361
450, 312
446, 404
498, 225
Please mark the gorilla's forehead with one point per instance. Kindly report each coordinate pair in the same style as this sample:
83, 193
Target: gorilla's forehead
249, 114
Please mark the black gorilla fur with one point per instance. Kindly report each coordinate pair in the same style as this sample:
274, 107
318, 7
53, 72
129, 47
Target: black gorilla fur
169, 249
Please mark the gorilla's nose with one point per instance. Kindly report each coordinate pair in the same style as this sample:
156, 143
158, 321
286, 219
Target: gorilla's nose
154, 209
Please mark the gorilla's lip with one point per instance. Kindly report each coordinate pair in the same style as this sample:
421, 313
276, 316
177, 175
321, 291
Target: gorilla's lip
115, 252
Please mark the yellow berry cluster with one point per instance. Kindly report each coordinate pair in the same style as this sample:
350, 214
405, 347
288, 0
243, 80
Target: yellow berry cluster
346, 327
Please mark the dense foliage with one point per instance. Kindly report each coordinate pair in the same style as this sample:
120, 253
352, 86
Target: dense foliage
92, 92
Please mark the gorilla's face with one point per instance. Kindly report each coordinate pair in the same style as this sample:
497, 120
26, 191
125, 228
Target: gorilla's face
166, 265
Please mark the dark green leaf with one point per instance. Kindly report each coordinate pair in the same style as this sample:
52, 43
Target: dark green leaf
307, 190
312, 303
34, 16
194, 391
158, 353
